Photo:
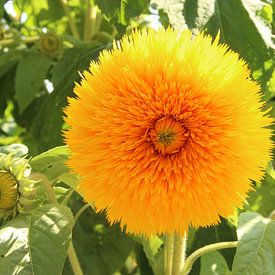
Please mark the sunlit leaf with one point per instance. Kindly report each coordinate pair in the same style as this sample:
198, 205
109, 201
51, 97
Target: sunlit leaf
51, 163
37, 244
256, 247
49, 235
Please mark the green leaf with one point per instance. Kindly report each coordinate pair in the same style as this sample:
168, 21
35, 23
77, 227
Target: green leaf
270, 169
8, 60
153, 249
135, 8
256, 247
30, 74
49, 235
263, 198
6, 90
53, 13
232, 16
36, 244
152, 246
70, 179
213, 263
14, 253
51, 163
142, 261
2, 9
121, 11
112, 9
229, 17
174, 10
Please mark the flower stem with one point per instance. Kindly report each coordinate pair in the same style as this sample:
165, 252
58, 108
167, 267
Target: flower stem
47, 185
168, 254
87, 22
11, 41
72, 24
201, 251
80, 212
174, 254
179, 254
74, 260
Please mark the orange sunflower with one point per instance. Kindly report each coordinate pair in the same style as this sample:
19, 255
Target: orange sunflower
167, 131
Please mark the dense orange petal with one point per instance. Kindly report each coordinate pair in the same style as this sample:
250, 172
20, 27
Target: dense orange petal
212, 117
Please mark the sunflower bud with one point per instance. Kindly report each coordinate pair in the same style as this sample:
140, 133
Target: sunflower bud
50, 44
17, 192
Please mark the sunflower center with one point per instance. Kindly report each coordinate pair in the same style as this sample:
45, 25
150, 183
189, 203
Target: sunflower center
168, 135
8, 190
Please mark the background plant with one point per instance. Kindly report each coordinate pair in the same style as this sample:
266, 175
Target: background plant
43, 47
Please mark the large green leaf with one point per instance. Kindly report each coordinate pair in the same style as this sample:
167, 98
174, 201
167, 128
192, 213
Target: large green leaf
238, 21
30, 74
52, 164
213, 263
14, 252
230, 17
50, 229
256, 247
36, 244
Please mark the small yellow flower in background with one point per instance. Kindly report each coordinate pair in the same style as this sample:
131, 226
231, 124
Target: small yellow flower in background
167, 131
50, 44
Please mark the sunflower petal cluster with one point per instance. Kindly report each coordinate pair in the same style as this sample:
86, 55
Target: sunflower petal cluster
167, 131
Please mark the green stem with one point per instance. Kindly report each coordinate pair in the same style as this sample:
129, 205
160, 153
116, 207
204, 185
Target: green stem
74, 260
168, 254
80, 211
179, 254
11, 41
68, 196
47, 185
72, 24
87, 22
201, 251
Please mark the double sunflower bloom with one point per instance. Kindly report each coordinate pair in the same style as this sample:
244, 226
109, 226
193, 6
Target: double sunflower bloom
167, 131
